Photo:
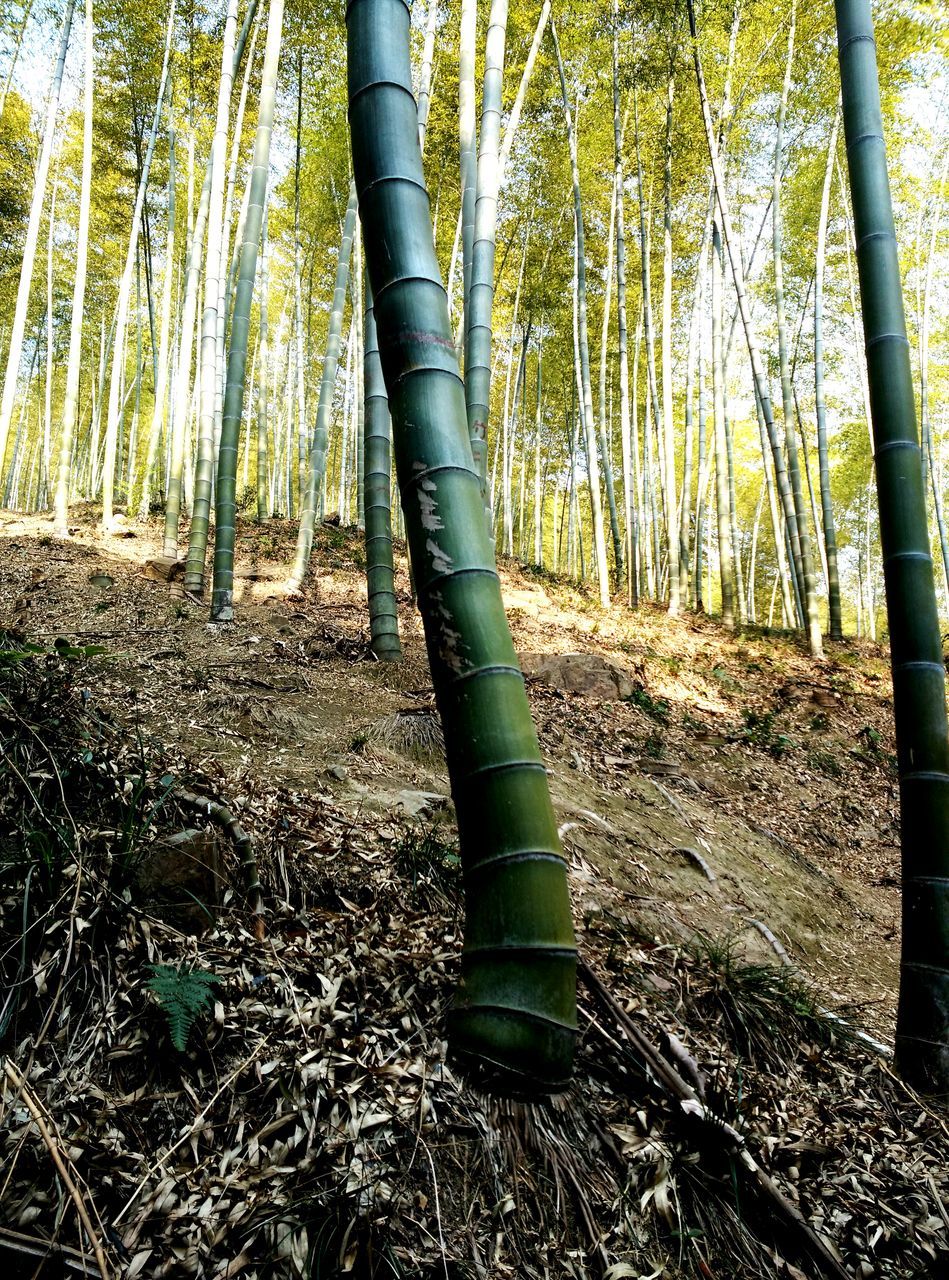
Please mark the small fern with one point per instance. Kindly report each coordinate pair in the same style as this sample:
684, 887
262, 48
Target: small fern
183, 994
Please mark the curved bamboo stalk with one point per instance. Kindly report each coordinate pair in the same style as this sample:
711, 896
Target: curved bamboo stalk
919, 684
515, 1014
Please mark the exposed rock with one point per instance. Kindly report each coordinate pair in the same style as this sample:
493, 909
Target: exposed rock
338, 771
164, 568
178, 877
406, 803
586, 674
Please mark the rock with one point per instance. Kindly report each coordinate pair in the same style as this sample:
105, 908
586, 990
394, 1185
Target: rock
164, 568
178, 876
420, 804
101, 579
338, 771
586, 674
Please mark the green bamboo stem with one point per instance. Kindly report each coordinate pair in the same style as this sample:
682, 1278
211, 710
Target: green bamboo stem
209, 381
71, 397
317, 462
222, 597
919, 693
823, 454
583, 340
480, 301
800, 536
515, 1013
383, 609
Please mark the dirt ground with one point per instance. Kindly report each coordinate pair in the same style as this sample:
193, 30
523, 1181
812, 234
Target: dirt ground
736, 758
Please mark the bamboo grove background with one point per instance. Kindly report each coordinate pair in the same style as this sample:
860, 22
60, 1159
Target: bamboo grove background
600, 142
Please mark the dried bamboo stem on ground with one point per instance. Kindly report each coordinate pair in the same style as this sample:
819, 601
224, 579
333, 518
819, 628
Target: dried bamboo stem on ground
673, 1084
52, 1146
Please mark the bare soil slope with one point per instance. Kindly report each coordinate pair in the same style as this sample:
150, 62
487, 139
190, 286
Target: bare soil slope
727, 806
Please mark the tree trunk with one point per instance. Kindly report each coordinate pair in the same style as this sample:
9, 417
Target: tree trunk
515, 1017
125, 290
919, 690
222, 599
480, 300
317, 462
77, 315
15, 350
586, 405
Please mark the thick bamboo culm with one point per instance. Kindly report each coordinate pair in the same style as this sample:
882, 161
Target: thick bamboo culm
514, 1018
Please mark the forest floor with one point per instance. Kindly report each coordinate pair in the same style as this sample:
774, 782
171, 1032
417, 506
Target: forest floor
729, 812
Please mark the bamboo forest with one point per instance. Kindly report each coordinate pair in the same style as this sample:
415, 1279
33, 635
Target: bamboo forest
474, 607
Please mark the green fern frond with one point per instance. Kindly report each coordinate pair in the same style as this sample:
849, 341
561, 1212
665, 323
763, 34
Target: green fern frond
183, 995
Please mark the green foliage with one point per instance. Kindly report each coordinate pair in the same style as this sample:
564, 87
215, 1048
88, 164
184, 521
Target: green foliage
759, 730
424, 854
766, 1011
183, 995
656, 708
825, 762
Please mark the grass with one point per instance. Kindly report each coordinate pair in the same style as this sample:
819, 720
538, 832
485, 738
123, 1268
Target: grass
765, 1012
425, 855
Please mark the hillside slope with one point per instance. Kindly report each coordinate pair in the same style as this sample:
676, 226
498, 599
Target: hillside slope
727, 806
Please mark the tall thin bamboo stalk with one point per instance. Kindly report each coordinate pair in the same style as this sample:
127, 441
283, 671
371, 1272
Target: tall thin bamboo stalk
480, 300
222, 599
316, 470
67, 430
738, 277
204, 469
125, 287
383, 607
160, 407
823, 454
586, 403
18, 327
